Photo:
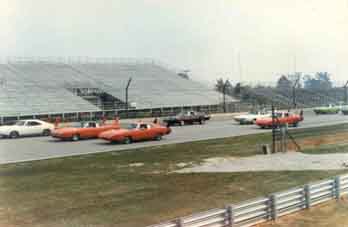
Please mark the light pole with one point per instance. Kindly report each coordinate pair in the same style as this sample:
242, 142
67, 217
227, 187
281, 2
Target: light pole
127, 87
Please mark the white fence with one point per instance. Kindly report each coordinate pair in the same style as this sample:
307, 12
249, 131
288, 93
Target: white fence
268, 208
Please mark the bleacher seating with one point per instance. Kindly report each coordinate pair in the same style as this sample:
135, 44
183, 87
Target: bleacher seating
20, 95
42, 87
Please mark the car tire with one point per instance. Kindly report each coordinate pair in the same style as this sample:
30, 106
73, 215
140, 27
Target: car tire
201, 122
182, 123
13, 135
295, 125
75, 137
158, 137
46, 132
127, 140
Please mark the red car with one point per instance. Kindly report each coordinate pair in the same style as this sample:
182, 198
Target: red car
136, 132
281, 118
87, 131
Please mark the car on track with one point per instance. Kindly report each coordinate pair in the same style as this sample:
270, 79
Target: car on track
136, 132
344, 110
26, 128
280, 119
88, 130
331, 109
184, 118
251, 117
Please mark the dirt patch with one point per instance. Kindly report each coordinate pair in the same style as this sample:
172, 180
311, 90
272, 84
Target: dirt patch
313, 142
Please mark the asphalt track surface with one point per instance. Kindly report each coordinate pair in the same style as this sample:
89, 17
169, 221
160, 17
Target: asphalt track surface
37, 148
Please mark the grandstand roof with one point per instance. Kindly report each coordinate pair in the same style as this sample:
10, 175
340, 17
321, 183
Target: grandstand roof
30, 87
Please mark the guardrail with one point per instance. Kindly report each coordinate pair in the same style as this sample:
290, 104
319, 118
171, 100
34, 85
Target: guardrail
267, 208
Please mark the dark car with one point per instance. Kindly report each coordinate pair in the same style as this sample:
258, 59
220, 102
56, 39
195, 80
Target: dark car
189, 117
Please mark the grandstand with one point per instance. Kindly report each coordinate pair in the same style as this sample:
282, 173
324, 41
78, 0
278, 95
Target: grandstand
39, 87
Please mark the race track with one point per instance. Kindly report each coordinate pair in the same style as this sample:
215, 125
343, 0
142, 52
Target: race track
36, 148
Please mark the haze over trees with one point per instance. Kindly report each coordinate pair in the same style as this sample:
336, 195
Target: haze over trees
315, 89
321, 81
284, 83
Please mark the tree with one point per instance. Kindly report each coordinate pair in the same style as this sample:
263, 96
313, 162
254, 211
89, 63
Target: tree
324, 78
237, 91
224, 87
321, 81
284, 83
295, 79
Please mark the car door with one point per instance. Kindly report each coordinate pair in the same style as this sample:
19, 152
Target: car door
152, 131
141, 132
32, 128
90, 130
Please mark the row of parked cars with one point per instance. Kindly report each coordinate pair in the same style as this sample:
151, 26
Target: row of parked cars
112, 132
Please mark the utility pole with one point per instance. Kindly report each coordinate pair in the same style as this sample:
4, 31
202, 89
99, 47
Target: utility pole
273, 130
345, 93
240, 68
294, 93
127, 87
224, 95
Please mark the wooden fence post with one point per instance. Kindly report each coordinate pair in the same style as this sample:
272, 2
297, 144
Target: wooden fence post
337, 188
230, 216
307, 191
180, 222
273, 206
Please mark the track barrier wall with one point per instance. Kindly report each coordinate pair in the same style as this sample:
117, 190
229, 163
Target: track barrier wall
126, 114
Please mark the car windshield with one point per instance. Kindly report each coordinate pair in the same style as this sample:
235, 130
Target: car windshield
20, 123
132, 126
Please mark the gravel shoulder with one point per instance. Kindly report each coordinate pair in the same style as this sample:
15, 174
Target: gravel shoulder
290, 161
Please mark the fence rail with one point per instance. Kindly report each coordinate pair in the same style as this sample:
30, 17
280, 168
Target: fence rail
267, 208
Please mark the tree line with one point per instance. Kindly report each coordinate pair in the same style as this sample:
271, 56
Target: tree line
318, 82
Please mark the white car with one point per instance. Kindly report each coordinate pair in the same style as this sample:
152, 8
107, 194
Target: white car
251, 117
26, 128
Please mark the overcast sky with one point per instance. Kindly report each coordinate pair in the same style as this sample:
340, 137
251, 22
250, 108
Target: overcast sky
249, 40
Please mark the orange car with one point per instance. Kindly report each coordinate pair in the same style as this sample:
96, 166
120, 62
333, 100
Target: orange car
281, 118
136, 132
87, 131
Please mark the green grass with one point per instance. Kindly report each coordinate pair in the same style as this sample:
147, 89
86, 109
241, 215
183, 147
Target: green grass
102, 194
106, 190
